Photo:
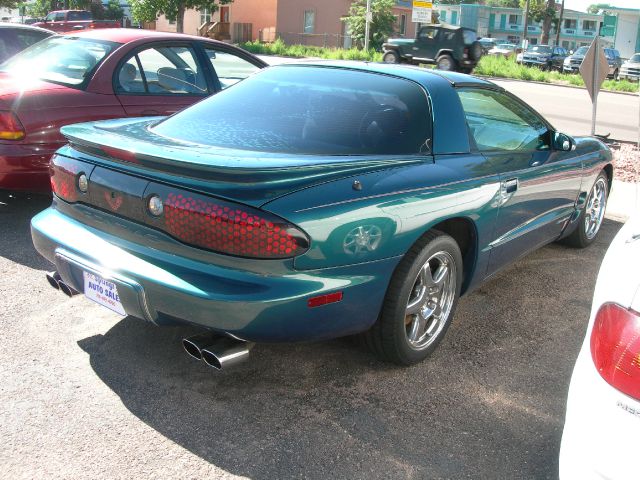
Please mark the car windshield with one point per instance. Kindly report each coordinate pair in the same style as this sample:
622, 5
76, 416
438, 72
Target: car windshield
539, 49
309, 110
635, 58
581, 51
66, 60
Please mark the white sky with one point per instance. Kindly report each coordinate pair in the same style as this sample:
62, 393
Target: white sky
582, 5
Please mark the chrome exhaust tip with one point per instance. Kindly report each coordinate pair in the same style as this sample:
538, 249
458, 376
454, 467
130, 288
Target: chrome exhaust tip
225, 353
194, 345
53, 278
67, 290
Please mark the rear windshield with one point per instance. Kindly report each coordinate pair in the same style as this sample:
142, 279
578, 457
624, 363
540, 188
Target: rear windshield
309, 110
66, 60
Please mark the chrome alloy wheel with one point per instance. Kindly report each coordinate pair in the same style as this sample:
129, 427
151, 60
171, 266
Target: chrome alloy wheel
431, 300
594, 210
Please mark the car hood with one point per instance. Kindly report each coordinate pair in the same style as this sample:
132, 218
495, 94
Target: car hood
576, 57
537, 54
249, 176
631, 64
10, 85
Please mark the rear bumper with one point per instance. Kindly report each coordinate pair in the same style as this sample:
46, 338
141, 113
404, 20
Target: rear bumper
165, 288
25, 167
599, 440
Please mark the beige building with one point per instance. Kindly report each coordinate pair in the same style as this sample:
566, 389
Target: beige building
309, 22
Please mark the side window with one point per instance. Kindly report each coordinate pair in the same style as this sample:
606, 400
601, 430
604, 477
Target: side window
165, 71
427, 33
229, 68
497, 121
59, 17
50, 18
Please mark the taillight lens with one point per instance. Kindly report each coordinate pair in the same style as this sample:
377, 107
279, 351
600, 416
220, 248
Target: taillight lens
229, 228
615, 347
10, 126
65, 174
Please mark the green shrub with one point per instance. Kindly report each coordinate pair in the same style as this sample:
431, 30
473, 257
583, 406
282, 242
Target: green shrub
299, 51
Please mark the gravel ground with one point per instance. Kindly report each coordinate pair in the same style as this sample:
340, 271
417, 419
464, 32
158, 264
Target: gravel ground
627, 162
86, 394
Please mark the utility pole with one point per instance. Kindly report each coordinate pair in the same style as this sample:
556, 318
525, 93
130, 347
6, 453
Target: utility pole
526, 26
366, 25
559, 27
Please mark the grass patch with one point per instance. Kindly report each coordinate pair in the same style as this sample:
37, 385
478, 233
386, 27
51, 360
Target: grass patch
300, 51
494, 66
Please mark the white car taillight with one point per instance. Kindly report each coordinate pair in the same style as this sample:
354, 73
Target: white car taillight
615, 347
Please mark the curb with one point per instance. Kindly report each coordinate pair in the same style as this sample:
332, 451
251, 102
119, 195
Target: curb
551, 84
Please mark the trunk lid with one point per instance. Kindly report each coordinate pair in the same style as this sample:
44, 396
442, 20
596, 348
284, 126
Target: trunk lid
252, 177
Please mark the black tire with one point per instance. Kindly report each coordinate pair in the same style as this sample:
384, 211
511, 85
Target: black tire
583, 236
446, 63
391, 56
389, 338
476, 51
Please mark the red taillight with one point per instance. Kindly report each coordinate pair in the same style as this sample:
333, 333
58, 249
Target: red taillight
615, 347
230, 228
10, 126
63, 182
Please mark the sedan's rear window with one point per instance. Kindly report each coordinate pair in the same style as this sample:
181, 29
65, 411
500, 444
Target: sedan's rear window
66, 60
309, 110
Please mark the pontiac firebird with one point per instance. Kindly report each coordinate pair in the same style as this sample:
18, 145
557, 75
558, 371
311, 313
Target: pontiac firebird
313, 201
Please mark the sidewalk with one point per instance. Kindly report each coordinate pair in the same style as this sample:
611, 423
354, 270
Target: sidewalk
624, 200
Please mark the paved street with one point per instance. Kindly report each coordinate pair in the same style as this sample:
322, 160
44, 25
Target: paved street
569, 109
86, 394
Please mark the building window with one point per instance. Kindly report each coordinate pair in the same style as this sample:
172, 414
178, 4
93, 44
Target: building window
205, 16
570, 23
565, 44
513, 39
514, 19
589, 25
403, 24
309, 21
443, 16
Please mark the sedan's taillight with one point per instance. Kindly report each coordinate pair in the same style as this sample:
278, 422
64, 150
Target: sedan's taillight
229, 228
615, 347
10, 126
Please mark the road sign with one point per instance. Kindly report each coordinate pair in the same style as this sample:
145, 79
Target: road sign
421, 12
594, 70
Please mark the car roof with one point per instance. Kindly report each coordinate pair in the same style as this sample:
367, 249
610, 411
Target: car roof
20, 26
126, 35
424, 76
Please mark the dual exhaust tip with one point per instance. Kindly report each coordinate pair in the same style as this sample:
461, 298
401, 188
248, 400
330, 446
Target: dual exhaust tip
216, 351
56, 282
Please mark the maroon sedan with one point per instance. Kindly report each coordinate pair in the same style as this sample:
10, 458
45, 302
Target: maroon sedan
101, 74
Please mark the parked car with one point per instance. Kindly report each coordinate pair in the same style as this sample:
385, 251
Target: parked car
15, 37
572, 63
603, 406
447, 46
489, 43
630, 69
62, 21
314, 201
504, 50
544, 56
99, 74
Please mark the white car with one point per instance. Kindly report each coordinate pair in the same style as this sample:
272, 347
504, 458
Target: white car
602, 425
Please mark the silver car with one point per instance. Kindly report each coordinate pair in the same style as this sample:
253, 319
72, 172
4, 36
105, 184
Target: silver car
630, 69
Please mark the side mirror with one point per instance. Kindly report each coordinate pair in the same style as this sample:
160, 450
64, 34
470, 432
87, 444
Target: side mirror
563, 142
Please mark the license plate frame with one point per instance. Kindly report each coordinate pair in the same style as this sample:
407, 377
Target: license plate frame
103, 292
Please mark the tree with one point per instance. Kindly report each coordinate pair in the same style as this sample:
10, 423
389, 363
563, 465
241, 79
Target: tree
39, 8
503, 3
381, 26
150, 10
542, 11
8, 4
113, 11
596, 7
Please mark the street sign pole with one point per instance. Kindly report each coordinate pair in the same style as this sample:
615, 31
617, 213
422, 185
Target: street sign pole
367, 22
594, 69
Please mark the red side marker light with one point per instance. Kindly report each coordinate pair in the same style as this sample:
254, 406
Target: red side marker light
324, 299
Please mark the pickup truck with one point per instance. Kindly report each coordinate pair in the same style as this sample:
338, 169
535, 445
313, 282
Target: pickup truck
71, 20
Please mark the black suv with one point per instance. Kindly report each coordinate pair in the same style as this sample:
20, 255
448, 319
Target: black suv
448, 46
545, 57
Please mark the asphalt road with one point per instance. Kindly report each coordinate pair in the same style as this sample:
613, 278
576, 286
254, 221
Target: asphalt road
87, 394
569, 109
